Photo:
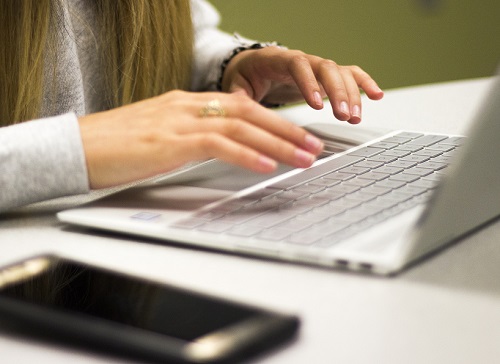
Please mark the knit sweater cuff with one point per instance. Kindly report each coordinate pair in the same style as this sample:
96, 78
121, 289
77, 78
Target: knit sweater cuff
41, 159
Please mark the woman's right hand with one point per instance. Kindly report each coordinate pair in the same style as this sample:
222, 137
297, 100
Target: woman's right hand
157, 135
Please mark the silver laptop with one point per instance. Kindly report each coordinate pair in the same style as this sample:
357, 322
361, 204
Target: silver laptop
376, 207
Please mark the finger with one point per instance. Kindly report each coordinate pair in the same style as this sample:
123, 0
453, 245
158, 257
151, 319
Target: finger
330, 77
302, 73
367, 83
213, 145
353, 94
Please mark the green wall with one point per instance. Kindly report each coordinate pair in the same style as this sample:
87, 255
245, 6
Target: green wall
399, 42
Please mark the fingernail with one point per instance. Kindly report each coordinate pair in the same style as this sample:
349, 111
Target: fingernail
304, 158
317, 98
344, 108
267, 163
356, 111
313, 143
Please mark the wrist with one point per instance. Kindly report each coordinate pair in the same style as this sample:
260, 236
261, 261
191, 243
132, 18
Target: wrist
245, 45
231, 60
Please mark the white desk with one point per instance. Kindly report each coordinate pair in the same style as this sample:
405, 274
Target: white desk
446, 309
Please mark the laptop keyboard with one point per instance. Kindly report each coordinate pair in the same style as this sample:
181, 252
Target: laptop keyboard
330, 202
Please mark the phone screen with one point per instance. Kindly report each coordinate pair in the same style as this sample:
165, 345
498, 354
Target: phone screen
78, 290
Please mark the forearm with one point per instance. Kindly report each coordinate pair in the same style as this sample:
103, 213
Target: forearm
40, 160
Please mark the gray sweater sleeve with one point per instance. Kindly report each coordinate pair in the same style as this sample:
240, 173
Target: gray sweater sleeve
40, 160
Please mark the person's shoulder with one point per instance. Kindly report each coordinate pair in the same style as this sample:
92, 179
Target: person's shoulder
204, 14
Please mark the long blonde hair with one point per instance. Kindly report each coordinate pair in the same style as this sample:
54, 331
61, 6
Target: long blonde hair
146, 49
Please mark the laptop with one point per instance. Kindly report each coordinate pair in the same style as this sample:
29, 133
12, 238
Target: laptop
375, 208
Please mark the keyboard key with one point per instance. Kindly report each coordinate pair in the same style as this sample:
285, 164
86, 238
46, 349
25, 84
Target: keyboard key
208, 215
269, 219
416, 158
410, 147
388, 170
189, 223
340, 176
329, 227
366, 152
425, 183
431, 153
244, 230
397, 139
419, 171
389, 184
339, 206
303, 238
330, 195
354, 170
402, 164
455, 141
308, 187
295, 225
443, 159
441, 147
435, 166
361, 182
384, 145
368, 164
324, 182
398, 153
436, 177
404, 177
293, 195
409, 135
398, 196
215, 227
344, 188
274, 234
427, 140
360, 196
383, 158
376, 190
313, 201
412, 189
374, 175
265, 192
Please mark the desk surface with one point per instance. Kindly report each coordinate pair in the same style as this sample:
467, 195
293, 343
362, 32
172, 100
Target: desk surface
444, 309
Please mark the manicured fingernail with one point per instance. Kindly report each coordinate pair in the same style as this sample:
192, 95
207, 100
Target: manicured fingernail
356, 111
318, 99
267, 163
304, 158
344, 108
313, 143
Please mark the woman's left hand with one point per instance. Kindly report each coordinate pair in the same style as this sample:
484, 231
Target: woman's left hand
276, 75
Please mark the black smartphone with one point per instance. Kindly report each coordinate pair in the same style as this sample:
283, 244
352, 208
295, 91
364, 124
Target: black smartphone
129, 315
